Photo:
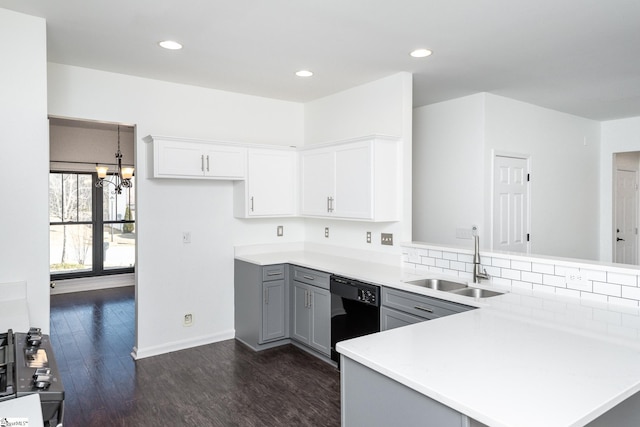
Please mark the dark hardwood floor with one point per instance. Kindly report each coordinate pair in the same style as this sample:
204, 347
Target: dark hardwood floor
222, 384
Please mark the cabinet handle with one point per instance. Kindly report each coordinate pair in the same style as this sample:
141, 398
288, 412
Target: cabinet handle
428, 310
310, 299
251, 203
273, 273
328, 204
207, 163
308, 277
202, 163
266, 297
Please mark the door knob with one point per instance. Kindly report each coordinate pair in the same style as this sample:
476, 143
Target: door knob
619, 239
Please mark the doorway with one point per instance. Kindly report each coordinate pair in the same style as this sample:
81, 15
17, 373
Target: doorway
510, 209
625, 207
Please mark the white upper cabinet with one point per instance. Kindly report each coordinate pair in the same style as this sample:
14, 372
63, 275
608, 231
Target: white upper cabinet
178, 158
358, 179
270, 187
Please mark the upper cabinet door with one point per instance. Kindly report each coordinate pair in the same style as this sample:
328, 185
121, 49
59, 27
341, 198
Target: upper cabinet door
318, 182
358, 179
270, 187
225, 161
177, 158
354, 181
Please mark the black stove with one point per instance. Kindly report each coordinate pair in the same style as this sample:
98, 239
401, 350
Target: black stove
28, 366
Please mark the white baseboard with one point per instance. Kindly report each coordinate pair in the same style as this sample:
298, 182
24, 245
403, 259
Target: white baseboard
141, 353
92, 283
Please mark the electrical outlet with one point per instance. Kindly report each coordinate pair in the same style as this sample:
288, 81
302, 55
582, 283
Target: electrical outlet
280, 231
386, 239
188, 320
186, 237
368, 237
326, 232
576, 277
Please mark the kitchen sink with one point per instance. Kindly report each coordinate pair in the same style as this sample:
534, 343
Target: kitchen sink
476, 292
438, 285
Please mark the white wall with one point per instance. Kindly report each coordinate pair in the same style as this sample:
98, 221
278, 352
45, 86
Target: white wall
24, 162
174, 278
454, 144
564, 154
448, 164
617, 136
381, 107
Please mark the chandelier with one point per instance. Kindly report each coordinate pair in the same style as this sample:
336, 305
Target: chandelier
122, 177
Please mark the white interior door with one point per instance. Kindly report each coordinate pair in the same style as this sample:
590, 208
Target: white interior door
510, 203
626, 217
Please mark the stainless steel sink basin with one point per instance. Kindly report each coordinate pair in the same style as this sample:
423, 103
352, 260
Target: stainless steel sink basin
437, 284
476, 292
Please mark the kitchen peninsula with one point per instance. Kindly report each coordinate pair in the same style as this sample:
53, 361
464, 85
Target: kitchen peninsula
497, 365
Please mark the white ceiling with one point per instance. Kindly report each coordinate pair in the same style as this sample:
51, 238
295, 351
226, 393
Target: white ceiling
577, 56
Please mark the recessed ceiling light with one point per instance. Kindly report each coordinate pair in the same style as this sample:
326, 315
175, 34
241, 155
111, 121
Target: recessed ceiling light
170, 44
421, 53
304, 73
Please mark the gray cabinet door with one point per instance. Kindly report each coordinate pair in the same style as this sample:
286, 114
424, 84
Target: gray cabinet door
390, 319
300, 313
320, 338
273, 307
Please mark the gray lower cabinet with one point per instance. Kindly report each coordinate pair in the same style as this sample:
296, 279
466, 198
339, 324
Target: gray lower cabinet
311, 309
273, 310
401, 308
261, 304
391, 404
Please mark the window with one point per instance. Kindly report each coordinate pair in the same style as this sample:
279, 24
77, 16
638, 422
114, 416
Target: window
81, 214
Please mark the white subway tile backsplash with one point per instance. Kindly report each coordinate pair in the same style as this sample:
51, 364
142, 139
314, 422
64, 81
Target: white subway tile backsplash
557, 281
607, 289
428, 260
531, 277
442, 263
581, 286
457, 265
602, 283
501, 262
598, 276
542, 268
450, 256
511, 274
493, 271
561, 270
622, 279
435, 254
631, 292
521, 265
465, 258
414, 258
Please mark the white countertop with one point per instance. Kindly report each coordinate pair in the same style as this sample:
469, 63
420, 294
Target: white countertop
503, 371
525, 358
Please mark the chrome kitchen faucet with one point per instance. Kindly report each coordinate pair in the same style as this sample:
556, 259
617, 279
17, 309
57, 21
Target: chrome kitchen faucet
477, 274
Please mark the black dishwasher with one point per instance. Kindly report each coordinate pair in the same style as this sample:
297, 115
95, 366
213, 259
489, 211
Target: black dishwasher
355, 310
